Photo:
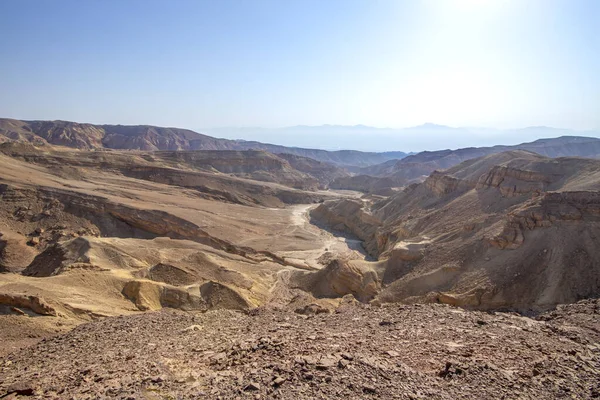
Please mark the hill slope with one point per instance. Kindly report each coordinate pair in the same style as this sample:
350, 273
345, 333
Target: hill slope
509, 230
418, 166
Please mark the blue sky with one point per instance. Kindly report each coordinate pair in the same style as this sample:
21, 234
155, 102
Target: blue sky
206, 64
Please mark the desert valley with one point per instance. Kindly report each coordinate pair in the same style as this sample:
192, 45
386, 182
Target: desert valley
300, 199
147, 262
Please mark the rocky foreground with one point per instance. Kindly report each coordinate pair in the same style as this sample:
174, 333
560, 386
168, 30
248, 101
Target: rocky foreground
359, 351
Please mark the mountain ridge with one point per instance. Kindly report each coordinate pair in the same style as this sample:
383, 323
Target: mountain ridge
152, 138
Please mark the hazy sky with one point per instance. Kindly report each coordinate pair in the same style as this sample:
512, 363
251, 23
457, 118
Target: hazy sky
203, 64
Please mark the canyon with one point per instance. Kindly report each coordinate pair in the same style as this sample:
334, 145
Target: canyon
217, 268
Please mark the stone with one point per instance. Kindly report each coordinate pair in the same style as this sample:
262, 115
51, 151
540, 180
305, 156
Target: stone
326, 363
312, 309
252, 386
368, 389
278, 381
21, 389
192, 328
18, 311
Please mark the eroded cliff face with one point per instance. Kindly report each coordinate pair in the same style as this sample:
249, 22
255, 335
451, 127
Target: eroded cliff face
545, 211
513, 182
34, 304
350, 216
441, 184
152, 296
339, 278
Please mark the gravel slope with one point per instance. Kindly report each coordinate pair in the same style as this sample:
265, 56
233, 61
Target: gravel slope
396, 351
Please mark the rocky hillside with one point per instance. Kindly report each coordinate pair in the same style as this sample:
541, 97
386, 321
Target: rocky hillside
152, 138
417, 167
358, 352
512, 230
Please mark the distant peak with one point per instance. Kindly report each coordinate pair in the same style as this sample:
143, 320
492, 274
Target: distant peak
542, 127
331, 126
429, 125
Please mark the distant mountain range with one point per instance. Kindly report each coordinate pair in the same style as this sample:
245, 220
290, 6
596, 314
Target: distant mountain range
366, 138
152, 138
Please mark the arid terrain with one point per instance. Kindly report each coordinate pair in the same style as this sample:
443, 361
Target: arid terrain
399, 352
145, 262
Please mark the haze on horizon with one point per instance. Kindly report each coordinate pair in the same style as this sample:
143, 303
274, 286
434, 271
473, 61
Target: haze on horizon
202, 65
